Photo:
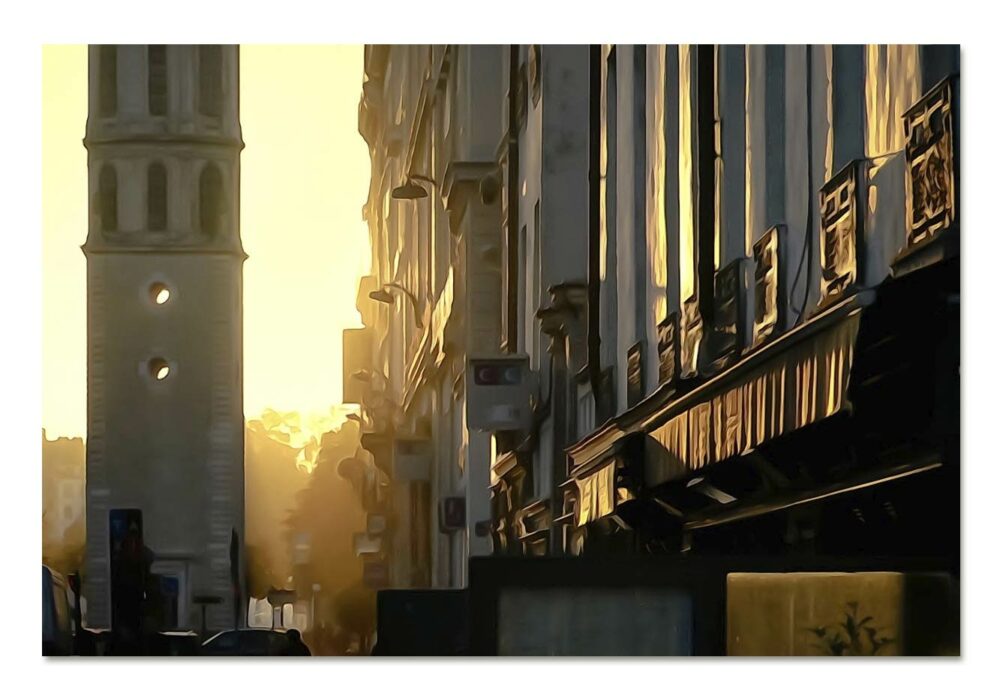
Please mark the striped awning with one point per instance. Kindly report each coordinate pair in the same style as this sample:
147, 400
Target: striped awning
599, 493
795, 388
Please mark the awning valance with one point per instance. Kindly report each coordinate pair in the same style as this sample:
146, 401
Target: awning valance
798, 386
599, 493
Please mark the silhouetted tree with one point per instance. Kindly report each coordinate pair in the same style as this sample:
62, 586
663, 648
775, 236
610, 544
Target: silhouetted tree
328, 512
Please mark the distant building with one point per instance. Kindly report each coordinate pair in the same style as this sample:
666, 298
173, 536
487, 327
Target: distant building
164, 321
63, 494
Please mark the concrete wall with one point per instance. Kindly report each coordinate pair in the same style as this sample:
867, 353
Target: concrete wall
632, 622
816, 614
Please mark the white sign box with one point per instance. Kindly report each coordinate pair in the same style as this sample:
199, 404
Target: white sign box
499, 393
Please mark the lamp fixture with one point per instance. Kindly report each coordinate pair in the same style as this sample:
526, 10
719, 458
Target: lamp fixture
381, 296
411, 190
367, 376
385, 297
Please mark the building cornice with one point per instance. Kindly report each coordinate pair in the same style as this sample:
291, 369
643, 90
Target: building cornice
90, 249
160, 139
462, 179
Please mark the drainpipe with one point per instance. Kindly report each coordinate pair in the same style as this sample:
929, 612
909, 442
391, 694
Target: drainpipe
594, 239
560, 436
513, 201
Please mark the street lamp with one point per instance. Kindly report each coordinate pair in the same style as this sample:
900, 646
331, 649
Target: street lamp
410, 190
368, 376
385, 297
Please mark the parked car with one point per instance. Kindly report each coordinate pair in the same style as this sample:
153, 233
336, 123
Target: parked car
248, 641
94, 642
175, 643
57, 624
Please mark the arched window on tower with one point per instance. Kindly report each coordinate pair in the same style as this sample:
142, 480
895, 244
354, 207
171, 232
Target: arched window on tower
210, 201
107, 66
107, 198
156, 197
158, 80
210, 80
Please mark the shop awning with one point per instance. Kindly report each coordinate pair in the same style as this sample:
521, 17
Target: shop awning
796, 499
599, 493
744, 408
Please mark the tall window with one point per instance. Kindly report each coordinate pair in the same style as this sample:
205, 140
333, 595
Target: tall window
609, 213
107, 65
107, 195
537, 294
156, 197
157, 80
210, 200
687, 155
639, 176
210, 80
709, 161
522, 292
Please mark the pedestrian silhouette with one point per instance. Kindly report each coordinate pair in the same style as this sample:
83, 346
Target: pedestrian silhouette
296, 647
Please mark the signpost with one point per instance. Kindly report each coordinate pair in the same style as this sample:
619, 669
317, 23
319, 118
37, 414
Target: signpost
234, 575
205, 600
127, 573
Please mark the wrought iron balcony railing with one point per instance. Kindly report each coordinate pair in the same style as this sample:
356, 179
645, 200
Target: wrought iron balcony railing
667, 339
930, 162
768, 305
841, 226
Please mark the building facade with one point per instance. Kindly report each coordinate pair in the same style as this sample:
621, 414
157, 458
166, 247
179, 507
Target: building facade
730, 273
165, 329
431, 118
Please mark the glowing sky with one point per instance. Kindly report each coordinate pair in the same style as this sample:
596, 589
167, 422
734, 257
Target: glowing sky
305, 176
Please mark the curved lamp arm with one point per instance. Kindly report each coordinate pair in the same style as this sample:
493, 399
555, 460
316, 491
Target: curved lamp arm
413, 300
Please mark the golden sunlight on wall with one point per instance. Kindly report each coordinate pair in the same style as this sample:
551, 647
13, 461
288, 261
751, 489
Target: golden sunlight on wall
657, 184
304, 179
891, 87
686, 166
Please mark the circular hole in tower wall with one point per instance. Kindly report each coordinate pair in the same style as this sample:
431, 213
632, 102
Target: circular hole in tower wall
159, 293
159, 369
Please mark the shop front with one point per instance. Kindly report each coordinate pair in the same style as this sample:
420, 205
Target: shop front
838, 437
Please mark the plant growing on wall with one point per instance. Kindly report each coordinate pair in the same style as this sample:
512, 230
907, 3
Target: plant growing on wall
851, 637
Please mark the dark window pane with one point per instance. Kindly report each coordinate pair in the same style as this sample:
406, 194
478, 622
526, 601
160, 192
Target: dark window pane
158, 80
108, 81
210, 200
210, 80
108, 198
156, 201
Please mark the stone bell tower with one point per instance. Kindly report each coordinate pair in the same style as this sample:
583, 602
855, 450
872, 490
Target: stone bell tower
165, 325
